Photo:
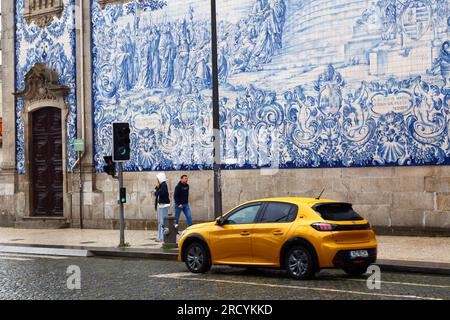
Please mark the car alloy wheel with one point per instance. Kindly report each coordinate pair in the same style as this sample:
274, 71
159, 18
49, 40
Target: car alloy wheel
197, 259
299, 263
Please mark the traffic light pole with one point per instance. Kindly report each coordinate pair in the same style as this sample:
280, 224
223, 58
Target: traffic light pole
122, 214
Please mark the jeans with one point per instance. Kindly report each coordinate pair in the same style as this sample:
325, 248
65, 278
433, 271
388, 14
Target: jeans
187, 213
162, 213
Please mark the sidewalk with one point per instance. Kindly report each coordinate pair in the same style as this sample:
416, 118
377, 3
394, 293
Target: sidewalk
409, 252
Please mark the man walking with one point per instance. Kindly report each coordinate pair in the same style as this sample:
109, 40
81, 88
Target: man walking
181, 197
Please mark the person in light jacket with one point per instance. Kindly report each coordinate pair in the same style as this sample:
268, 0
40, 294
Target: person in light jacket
162, 202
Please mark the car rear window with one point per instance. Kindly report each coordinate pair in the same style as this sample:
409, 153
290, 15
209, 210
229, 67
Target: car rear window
337, 211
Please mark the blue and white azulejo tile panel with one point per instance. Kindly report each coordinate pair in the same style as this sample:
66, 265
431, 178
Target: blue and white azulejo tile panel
303, 83
55, 46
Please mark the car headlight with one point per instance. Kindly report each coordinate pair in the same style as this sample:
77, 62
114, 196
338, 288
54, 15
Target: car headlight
183, 233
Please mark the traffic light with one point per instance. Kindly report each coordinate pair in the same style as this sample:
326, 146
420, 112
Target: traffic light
123, 195
121, 141
110, 167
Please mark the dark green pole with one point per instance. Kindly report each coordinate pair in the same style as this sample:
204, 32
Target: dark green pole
216, 116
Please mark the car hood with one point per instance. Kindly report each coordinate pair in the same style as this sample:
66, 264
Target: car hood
200, 225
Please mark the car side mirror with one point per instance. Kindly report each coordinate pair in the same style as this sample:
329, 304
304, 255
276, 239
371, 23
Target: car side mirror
220, 221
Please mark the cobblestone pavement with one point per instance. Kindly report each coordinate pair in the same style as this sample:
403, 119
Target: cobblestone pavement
45, 277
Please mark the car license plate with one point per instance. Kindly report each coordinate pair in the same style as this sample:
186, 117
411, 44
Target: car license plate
359, 254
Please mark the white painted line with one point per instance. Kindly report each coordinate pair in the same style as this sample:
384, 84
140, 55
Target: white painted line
19, 255
46, 251
193, 277
404, 283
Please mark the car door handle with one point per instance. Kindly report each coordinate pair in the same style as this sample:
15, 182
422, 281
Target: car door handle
245, 233
278, 233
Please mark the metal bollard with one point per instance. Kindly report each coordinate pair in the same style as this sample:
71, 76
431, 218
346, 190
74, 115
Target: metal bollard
170, 232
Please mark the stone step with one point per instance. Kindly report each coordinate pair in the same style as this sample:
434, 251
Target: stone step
42, 223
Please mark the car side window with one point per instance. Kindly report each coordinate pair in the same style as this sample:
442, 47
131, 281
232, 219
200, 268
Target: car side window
279, 212
245, 215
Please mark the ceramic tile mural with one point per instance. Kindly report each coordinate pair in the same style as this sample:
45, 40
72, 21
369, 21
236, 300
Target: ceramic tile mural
323, 83
55, 46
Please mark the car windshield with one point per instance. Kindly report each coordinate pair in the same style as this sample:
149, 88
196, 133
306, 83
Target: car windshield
337, 211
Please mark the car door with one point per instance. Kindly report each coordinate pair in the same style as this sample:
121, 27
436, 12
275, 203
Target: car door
231, 242
271, 231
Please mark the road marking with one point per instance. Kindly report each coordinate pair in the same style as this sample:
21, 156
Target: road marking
404, 283
193, 277
31, 256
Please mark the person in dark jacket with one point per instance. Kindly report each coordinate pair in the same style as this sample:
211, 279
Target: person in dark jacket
181, 197
162, 202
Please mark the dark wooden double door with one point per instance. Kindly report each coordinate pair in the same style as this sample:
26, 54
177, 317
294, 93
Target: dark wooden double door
46, 163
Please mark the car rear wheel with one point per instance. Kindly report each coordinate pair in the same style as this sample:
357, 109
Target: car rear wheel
196, 258
299, 263
356, 270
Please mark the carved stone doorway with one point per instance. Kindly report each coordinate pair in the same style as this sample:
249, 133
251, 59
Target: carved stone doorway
44, 118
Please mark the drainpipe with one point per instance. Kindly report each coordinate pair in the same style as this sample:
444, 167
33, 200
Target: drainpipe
82, 96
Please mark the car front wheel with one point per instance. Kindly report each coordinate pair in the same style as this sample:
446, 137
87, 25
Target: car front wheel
299, 263
197, 259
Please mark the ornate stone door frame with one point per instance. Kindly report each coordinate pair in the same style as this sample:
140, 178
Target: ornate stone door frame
42, 90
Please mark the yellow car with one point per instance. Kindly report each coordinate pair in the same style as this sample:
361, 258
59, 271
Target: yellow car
301, 235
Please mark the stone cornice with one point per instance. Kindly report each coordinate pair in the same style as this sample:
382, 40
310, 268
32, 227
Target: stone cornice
42, 12
41, 83
103, 3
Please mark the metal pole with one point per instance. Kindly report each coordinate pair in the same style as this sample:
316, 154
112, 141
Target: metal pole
122, 215
81, 194
216, 116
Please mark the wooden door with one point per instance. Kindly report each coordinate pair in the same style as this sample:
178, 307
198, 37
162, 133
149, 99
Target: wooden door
46, 163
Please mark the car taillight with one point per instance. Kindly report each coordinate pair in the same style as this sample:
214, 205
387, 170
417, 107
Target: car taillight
323, 226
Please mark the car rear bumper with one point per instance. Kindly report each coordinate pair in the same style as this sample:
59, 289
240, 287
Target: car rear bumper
334, 255
342, 258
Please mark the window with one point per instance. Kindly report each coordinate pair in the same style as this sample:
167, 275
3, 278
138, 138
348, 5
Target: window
279, 212
337, 211
245, 215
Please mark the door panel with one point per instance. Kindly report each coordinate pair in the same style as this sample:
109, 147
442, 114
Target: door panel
271, 232
231, 242
46, 163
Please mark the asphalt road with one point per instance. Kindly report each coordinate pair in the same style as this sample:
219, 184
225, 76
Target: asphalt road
46, 277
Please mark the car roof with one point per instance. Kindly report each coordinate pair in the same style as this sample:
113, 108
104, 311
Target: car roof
294, 200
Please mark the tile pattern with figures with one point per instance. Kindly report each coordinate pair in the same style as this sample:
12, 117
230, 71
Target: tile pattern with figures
55, 46
323, 83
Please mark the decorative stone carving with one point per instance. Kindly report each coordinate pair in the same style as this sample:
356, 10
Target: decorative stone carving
41, 83
42, 12
103, 3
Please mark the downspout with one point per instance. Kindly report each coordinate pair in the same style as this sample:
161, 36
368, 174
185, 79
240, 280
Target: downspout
82, 106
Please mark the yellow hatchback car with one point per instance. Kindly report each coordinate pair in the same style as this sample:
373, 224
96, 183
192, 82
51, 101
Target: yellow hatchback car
301, 235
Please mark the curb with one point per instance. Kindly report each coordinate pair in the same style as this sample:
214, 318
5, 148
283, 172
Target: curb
414, 266
135, 253
80, 251
384, 264
43, 250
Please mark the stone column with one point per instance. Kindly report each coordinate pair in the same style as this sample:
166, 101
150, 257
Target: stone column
92, 200
8, 176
